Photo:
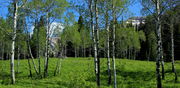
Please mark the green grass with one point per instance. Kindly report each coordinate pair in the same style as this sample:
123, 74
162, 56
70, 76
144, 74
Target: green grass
79, 73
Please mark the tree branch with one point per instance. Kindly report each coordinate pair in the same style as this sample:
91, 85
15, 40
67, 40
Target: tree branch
149, 10
153, 1
23, 5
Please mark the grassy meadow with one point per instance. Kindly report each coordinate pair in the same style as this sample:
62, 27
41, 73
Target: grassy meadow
79, 73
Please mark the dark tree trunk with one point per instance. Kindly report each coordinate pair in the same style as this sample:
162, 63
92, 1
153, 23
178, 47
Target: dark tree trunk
172, 51
30, 71
75, 51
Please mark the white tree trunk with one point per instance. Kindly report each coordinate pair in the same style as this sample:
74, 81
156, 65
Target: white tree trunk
47, 49
107, 43
93, 37
30, 53
159, 85
113, 43
13, 42
108, 57
97, 43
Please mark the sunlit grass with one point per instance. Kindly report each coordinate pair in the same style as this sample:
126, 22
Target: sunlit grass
79, 73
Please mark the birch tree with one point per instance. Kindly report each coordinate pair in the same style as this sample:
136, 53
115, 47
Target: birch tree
173, 15
15, 17
107, 16
13, 42
52, 10
157, 5
94, 39
113, 42
96, 35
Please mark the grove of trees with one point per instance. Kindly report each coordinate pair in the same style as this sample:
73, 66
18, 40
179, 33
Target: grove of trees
90, 28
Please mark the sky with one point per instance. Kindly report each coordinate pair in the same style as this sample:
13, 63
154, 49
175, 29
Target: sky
3, 8
134, 9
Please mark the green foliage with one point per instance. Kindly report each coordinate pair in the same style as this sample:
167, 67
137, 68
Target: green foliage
85, 38
75, 36
38, 37
152, 45
71, 34
21, 43
128, 38
5, 35
102, 39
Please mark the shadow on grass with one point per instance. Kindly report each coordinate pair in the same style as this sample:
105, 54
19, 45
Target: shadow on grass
140, 75
130, 78
5, 78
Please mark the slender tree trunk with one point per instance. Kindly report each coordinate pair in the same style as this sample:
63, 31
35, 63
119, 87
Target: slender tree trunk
24, 55
113, 43
84, 49
30, 71
75, 51
172, 51
126, 53
108, 52
162, 67
104, 51
38, 52
90, 52
129, 56
2, 51
94, 41
18, 60
57, 66
159, 85
47, 50
134, 54
13, 42
65, 50
82, 54
30, 53
78, 52
161, 57
2, 66
97, 43
149, 53
108, 57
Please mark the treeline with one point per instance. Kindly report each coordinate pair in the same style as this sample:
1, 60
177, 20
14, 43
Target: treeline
133, 43
76, 40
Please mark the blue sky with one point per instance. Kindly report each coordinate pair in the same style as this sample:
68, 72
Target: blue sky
3, 8
134, 9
